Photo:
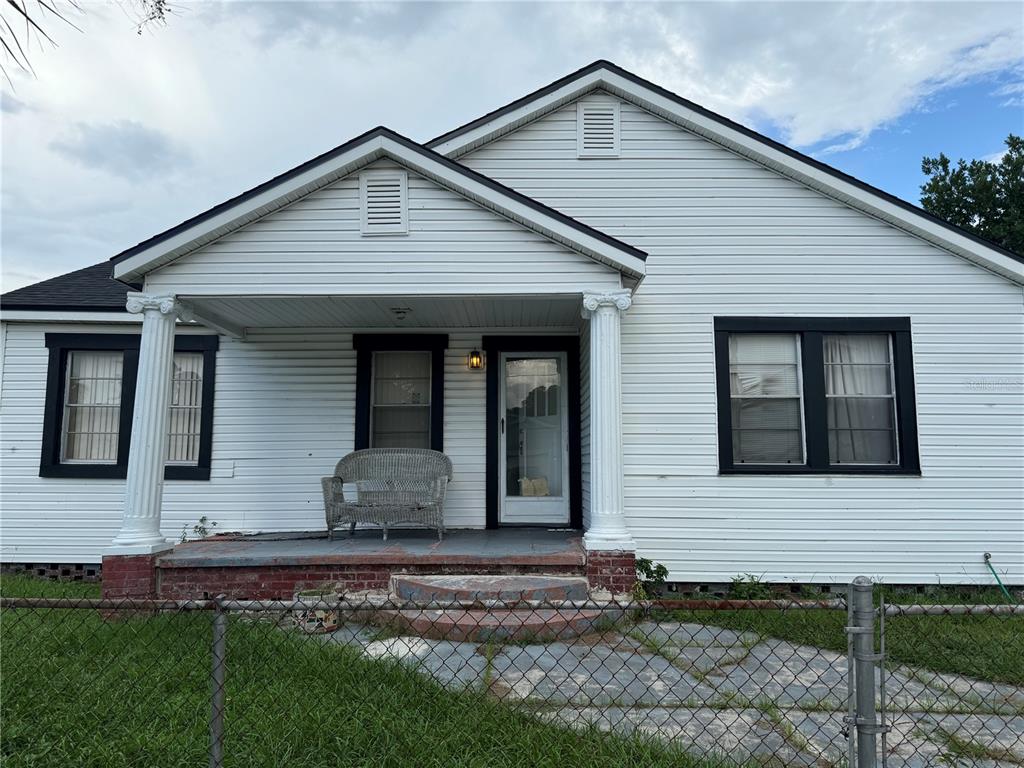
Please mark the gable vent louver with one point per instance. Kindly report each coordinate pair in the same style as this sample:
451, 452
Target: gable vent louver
383, 202
597, 129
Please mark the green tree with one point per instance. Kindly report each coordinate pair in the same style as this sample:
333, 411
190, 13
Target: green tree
982, 197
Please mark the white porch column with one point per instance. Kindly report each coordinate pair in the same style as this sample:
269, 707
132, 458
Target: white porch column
140, 527
607, 531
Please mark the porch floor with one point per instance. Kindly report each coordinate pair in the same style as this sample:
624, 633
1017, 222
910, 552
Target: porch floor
508, 547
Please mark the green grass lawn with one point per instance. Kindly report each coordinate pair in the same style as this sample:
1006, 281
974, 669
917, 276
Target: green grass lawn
985, 647
81, 691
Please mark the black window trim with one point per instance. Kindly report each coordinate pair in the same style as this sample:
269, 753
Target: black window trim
59, 344
365, 344
811, 330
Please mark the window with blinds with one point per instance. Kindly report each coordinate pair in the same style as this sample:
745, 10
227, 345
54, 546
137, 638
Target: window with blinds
765, 390
400, 405
92, 407
186, 409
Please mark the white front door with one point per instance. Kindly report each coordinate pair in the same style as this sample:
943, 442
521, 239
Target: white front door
533, 434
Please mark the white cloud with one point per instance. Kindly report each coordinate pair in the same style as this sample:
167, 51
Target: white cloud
1014, 93
239, 92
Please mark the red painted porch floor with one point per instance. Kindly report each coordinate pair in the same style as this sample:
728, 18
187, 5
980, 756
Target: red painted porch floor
528, 548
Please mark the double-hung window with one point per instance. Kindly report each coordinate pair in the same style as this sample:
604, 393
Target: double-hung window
399, 390
816, 395
90, 397
400, 412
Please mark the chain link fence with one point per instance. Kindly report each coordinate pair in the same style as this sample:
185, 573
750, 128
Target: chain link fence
372, 681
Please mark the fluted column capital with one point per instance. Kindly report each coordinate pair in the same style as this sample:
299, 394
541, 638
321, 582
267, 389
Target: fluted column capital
165, 304
618, 299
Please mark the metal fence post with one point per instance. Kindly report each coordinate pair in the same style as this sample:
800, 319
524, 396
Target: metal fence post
217, 673
864, 665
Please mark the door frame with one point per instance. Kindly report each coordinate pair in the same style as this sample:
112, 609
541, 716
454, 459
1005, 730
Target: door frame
493, 346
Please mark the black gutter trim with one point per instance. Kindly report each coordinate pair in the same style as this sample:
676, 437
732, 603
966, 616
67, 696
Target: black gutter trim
406, 142
720, 119
61, 308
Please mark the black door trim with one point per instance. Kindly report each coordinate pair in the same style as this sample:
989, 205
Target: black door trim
493, 346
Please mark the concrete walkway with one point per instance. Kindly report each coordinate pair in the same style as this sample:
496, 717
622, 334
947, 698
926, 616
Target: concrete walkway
715, 691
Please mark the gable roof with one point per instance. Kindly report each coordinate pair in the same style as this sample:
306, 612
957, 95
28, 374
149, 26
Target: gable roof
92, 289
343, 160
604, 75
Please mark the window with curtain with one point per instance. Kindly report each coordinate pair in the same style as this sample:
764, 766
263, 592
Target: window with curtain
764, 388
186, 409
816, 395
400, 405
92, 407
90, 398
861, 404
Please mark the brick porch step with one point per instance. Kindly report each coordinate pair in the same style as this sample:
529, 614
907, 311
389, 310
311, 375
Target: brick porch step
511, 625
507, 589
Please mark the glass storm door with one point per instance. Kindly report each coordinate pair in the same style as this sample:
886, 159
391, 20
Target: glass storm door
533, 449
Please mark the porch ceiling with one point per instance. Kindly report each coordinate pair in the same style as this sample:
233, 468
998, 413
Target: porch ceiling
241, 312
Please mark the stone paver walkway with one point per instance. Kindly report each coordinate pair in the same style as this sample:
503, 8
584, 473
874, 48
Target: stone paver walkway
715, 691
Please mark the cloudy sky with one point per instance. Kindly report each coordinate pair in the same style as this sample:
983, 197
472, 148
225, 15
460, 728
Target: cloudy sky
120, 136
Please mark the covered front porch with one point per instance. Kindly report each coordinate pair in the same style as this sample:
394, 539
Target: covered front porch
346, 326
313, 366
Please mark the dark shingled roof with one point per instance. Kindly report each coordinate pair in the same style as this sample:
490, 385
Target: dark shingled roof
89, 289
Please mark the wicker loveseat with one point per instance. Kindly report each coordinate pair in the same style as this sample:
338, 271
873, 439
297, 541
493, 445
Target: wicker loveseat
394, 485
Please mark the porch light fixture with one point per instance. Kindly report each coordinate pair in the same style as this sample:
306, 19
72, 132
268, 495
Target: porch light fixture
476, 360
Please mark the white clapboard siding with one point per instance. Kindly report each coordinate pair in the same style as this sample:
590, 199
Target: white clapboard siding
283, 416
315, 247
728, 237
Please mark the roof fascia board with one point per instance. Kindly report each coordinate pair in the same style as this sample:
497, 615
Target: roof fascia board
492, 196
135, 266
758, 149
48, 315
509, 121
816, 178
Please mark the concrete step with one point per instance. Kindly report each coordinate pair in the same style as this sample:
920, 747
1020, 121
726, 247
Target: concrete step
508, 589
542, 625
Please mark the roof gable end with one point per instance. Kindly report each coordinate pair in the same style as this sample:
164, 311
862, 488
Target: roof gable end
377, 144
606, 76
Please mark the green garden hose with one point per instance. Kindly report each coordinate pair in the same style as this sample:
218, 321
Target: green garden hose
988, 562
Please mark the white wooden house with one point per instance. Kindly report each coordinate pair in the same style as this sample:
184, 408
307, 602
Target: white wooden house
696, 344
